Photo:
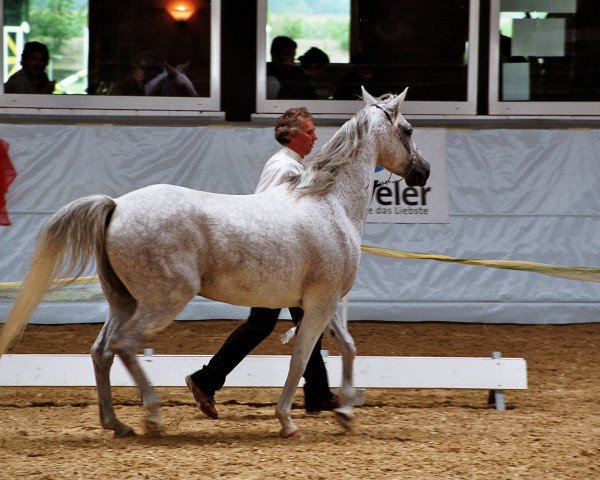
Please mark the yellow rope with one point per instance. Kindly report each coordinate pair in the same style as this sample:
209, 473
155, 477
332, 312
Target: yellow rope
82, 293
57, 282
584, 274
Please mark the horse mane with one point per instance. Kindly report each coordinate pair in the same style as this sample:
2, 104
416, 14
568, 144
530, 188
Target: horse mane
321, 169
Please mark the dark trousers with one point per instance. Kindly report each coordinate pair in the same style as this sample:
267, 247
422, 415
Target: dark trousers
244, 339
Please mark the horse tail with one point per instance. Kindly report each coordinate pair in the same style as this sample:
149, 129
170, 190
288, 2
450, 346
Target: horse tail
67, 243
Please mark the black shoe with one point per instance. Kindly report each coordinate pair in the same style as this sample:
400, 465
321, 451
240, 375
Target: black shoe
206, 403
327, 405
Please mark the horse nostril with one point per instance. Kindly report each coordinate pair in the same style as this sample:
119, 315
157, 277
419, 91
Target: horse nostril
417, 178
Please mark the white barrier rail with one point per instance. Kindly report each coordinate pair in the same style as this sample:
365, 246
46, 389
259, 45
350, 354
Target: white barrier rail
494, 374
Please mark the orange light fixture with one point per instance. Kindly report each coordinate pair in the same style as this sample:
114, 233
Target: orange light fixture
181, 12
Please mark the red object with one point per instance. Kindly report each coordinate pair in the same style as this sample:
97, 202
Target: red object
7, 175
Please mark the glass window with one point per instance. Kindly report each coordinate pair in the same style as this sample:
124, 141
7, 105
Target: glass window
110, 54
323, 51
57, 38
545, 57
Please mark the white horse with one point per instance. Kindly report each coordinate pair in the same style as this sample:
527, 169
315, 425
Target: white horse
155, 248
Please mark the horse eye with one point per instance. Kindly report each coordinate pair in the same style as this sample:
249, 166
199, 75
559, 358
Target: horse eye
408, 130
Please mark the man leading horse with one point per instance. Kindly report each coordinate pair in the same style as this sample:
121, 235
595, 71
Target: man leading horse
295, 132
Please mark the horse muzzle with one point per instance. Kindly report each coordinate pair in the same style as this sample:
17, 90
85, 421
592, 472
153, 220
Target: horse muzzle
419, 173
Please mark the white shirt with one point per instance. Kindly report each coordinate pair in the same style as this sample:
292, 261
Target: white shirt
279, 168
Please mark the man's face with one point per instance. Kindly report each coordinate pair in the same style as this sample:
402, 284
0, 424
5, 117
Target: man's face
287, 56
302, 142
35, 64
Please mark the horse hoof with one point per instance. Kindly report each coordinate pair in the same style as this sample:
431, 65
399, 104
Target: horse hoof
295, 435
153, 429
124, 431
343, 419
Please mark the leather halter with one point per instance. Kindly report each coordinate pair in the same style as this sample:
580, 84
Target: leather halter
413, 156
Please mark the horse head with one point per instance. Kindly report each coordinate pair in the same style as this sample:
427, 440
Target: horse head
171, 82
397, 151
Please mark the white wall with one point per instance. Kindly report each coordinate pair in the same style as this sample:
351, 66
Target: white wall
514, 194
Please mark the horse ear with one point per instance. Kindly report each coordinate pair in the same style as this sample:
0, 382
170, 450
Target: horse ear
402, 96
367, 97
182, 67
396, 102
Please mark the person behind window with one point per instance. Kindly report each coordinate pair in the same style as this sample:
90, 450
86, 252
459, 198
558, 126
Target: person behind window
287, 80
281, 67
153, 77
32, 77
306, 83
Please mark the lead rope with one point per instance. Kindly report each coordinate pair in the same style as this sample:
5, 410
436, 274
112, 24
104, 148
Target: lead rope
389, 180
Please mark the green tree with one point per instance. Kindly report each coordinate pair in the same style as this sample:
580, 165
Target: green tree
57, 22
287, 25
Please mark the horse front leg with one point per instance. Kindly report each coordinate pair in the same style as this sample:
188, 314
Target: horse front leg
312, 327
284, 405
345, 344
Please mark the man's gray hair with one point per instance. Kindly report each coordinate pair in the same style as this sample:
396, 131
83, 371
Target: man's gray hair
290, 122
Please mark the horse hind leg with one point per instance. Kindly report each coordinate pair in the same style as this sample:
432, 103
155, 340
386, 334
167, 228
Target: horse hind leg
147, 320
151, 401
102, 358
124, 334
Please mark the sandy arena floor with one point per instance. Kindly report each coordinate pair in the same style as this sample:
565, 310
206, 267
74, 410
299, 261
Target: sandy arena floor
550, 431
